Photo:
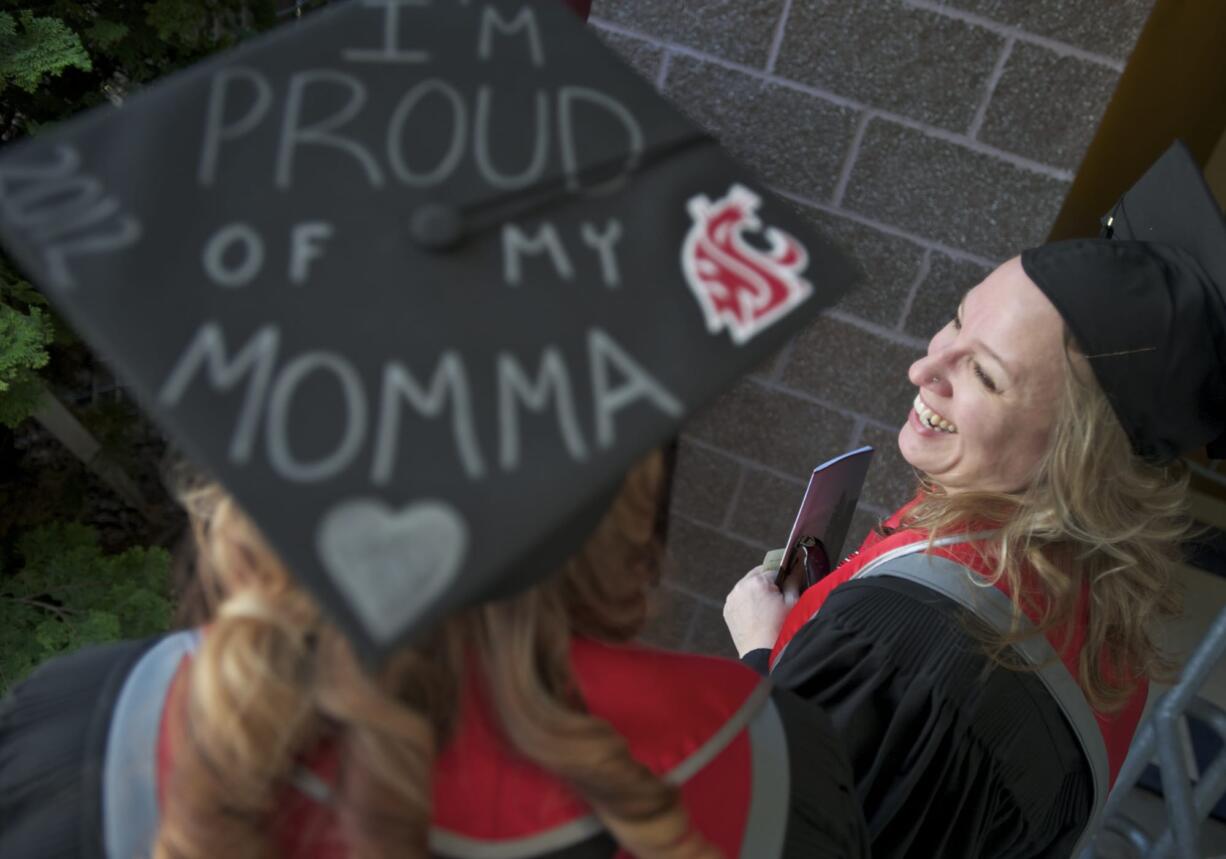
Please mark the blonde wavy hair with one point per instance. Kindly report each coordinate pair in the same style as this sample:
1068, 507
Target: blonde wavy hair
1095, 514
273, 678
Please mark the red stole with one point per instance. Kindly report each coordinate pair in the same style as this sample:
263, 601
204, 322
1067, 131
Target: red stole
1117, 728
667, 706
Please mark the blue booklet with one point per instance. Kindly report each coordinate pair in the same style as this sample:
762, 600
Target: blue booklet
816, 540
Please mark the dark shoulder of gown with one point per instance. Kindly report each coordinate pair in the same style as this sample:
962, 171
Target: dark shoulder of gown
954, 755
53, 731
825, 818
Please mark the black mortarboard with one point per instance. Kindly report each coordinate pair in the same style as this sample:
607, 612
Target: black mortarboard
1147, 304
417, 282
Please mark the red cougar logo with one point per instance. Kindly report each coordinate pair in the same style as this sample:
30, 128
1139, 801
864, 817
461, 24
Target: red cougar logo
736, 284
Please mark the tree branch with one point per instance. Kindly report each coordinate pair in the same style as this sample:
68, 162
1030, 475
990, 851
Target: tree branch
59, 611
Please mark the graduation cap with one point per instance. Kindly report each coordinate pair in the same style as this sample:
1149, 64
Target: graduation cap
1147, 305
417, 282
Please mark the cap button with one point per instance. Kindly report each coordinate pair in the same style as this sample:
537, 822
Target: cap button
435, 227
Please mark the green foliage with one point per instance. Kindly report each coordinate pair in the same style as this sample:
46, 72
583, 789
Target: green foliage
67, 594
23, 350
31, 47
103, 34
59, 57
26, 330
178, 20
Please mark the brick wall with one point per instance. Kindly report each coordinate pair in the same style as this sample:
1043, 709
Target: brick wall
932, 140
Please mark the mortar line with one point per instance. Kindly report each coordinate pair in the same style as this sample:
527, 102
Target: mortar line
875, 509
733, 498
761, 546
732, 535
703, 599
782, 359
888, 229
849, 163
695, 520
1054, 45
925, 268
662, 73
857, 434
740, 460
880, 330
784, 388
751, 543
998, 71
754, 465
777, 41
1021, 162
976, 146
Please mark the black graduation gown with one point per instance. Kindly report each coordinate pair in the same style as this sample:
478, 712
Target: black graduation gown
954, 756
54, 729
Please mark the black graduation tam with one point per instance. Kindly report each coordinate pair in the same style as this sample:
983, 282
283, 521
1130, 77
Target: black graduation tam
417, 282
1146, 303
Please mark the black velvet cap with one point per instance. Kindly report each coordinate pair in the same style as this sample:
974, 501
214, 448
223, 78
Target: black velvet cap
417, 281
1147, 304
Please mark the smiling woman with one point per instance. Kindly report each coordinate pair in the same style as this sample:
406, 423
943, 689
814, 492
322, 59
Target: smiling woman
988, 387
986, 654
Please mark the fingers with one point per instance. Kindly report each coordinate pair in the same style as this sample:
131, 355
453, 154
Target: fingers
762, 579
758, 587
755, 610
791, 590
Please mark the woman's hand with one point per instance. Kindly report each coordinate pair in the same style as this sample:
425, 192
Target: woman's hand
754, 610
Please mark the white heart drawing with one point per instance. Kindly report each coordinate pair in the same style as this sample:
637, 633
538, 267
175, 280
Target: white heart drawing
390, 566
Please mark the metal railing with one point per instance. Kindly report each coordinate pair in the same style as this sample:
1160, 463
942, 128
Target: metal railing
1188, 803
